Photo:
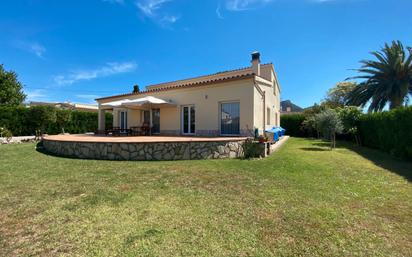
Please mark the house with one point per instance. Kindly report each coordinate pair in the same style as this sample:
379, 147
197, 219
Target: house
229, 103
287, 107
66, 106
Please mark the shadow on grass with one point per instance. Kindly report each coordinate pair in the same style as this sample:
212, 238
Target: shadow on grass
379, 158
383, 160
314, 149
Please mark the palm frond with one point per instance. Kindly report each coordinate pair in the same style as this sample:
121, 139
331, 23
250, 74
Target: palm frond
387, 80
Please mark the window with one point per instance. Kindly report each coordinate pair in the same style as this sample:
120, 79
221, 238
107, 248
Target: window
229, 118
267, 116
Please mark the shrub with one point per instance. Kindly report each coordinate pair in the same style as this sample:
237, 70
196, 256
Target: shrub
251, 149
390, 131
5, 133
293, 125
22, 121
309, 125
63, 117
41, 117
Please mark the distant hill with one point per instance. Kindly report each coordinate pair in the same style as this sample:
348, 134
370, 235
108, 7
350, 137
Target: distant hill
287, 106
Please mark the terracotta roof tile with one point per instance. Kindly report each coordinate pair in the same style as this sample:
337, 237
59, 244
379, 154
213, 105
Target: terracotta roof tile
185, 85
195, 81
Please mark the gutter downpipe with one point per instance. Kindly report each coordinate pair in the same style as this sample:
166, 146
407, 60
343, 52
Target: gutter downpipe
263, 94
264, 111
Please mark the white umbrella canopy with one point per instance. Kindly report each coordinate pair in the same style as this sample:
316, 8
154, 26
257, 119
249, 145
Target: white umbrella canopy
147, 102
118, 103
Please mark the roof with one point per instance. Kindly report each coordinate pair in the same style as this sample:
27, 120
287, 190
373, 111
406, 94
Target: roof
219, 77
64, 105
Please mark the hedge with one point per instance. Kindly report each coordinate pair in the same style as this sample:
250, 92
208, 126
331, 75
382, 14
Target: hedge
22, 121
389, 131
293, 124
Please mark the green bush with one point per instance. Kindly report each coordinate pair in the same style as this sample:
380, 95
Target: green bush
389, 131
251, 149
22, 121
5, 133
293, 125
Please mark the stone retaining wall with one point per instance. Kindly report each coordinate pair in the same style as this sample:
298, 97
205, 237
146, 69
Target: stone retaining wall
146, 151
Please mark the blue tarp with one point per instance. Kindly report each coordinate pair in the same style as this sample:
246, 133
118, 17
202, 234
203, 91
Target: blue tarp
277, 132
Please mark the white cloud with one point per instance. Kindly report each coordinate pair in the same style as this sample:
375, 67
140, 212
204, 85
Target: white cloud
153, 10
36, 95
150, 7
167, 19
218, 12
242, 5
37, 49
88, 99
107, 70
31, 47
87, 96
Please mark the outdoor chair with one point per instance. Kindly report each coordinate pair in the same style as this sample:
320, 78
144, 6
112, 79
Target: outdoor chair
136, 131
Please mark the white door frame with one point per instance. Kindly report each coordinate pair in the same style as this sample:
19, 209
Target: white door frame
124, 119
189, 121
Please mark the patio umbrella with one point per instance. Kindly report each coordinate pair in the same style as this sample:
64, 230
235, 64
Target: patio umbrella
147, 102
118, 103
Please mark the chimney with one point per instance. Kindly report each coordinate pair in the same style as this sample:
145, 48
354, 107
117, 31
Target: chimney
256, 63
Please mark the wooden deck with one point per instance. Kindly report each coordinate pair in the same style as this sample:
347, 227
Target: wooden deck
138, 139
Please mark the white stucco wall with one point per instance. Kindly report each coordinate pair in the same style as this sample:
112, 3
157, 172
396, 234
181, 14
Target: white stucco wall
206, 99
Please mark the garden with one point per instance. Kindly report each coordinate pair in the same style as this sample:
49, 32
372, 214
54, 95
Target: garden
303, 200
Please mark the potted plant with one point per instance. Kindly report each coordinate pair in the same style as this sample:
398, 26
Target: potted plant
262, 139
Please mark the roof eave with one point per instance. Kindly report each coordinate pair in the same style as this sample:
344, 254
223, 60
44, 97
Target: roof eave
189, 85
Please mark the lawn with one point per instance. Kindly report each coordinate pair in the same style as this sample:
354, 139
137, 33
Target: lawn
302, 201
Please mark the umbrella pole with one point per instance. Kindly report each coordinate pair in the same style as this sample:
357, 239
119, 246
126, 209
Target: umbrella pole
151, 119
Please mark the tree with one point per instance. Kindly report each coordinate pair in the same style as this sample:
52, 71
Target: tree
329, 123
350, 117
11, 90
338, 95
136, 89
313, 110
388, 80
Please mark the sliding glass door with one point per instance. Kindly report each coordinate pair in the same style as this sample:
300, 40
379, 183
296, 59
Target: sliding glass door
229, 118
188, 120
123, 120
155, 120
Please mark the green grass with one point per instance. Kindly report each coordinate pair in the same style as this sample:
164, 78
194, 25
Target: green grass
302, 201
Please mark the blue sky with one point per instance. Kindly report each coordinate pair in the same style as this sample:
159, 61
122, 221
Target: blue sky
79, 50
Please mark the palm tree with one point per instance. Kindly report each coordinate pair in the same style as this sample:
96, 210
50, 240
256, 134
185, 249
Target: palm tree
388, 80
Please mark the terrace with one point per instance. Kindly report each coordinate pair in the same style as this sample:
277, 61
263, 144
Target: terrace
144, 147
